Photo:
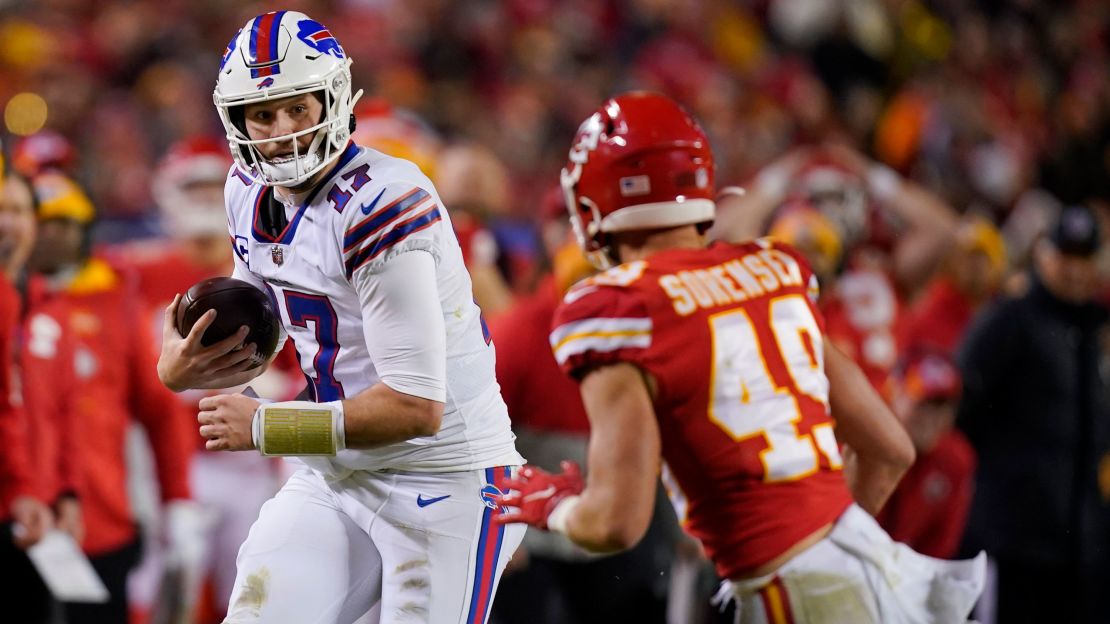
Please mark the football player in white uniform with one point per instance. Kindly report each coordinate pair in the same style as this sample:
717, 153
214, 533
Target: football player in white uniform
406, 440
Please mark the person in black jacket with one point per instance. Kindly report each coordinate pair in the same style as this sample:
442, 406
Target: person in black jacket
1035, 409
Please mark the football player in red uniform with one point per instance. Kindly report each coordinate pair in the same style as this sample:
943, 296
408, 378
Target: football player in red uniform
712, 359
116, 381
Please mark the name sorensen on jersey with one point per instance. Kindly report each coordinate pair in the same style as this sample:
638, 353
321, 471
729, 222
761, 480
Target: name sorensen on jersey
317, 254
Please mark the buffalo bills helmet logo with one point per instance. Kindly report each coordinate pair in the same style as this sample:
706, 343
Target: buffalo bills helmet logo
230, 48
268, 82
319, 38
490, 493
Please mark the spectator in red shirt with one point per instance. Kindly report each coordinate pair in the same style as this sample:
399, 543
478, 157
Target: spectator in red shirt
972, 275
929, 509
116, 382
475, 184
24, 513
861, 307
39, 473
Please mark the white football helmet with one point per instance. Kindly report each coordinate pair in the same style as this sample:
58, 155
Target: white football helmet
188, 188
279, 55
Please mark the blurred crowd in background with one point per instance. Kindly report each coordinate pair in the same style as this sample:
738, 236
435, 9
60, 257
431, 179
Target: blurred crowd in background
944, 164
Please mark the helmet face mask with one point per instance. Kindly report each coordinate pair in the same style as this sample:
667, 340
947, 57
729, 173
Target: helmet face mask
277, 56
639, 163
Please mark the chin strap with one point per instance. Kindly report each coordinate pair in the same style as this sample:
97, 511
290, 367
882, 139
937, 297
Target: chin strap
299, 428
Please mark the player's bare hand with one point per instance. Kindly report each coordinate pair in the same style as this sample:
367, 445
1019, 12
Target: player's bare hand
70, 518
32, 518
186, 363
225, 422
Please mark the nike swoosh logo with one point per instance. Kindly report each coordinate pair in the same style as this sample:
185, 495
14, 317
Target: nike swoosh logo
424, 502
368, 208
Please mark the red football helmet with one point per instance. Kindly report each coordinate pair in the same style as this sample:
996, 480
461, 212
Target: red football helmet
640, 162
188, 188
43, 151
838, 193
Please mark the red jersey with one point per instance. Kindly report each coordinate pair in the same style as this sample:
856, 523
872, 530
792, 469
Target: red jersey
928, 511
16, 473
734, 343
524, 364
117, 381
160, 271
48, 380
863, 317
939, 319
38, 430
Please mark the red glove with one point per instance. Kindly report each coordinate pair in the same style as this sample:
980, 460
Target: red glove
533, 493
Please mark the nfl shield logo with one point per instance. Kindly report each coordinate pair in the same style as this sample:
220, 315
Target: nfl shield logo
277, 254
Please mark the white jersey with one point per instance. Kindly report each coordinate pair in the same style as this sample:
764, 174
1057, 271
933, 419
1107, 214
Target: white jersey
322, 271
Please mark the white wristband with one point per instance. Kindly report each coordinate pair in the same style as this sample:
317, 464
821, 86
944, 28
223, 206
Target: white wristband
299, 428
557, 519
733, 191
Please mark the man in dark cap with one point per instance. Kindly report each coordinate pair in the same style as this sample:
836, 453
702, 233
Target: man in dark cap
1035, 409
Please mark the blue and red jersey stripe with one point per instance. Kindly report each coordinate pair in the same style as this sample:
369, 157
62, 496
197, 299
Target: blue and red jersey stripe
383, 217
420, 222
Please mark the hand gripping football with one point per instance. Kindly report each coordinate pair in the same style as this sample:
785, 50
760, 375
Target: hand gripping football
237, 303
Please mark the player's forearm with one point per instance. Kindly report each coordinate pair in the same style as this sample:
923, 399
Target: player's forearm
871, 480
597, 525
880, 448
614, 510
921, 208
381, 415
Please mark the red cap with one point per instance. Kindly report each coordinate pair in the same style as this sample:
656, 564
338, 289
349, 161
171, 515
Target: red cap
42, 151
930, 375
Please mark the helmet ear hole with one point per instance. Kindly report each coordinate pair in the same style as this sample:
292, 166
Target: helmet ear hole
351, 124
238, 116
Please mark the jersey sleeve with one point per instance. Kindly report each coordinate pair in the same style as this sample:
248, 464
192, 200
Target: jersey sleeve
385, 221
403, 325
599, 325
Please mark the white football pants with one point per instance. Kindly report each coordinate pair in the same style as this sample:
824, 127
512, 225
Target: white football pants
423, 545
859, 575
233, 486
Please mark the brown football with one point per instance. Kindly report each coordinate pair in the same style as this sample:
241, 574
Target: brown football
237, 303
